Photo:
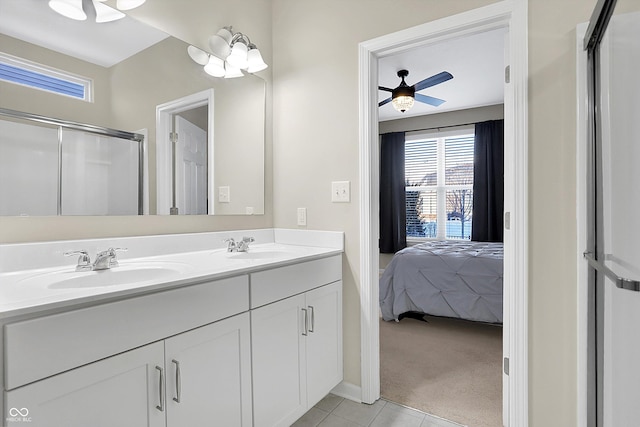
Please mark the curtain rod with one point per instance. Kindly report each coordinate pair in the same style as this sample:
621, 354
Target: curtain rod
438, 127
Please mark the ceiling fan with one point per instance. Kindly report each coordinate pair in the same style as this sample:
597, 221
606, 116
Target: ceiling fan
404, 95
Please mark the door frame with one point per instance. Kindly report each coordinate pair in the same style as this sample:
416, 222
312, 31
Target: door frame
164, 158
511, 14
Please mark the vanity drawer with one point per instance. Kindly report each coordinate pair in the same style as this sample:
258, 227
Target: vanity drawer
279, 283
41, 347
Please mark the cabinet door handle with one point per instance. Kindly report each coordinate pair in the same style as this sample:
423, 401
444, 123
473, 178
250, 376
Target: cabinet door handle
178, 385
313, 319
161, 389
306, 322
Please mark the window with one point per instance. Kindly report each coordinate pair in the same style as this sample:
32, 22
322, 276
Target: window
20, 71
439, 184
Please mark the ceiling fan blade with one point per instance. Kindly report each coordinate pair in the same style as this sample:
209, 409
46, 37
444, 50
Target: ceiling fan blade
385, 88
429, 100
386, 101
433, 80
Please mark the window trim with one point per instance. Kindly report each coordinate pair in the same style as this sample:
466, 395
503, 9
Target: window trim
48, 71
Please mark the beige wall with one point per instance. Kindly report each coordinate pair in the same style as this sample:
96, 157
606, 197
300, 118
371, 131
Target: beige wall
315, 129
316, 141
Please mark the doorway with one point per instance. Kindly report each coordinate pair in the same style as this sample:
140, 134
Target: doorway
512, 15
189, 165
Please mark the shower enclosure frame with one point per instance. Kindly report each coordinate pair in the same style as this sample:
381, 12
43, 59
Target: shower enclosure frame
96, 130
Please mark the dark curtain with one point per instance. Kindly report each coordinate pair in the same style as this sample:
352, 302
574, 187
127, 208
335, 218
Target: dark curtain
393, 233
488, 182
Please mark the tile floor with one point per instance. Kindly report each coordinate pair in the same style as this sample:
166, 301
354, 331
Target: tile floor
334, 411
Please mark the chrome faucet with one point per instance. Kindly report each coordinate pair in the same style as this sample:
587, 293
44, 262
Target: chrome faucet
104, 260
241, 246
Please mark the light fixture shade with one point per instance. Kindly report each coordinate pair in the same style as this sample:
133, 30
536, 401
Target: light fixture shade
402, 103
232, 72
69, 8
219, 43
105, 13
238, 56
128, 4
256, 63
215, 67
198, 55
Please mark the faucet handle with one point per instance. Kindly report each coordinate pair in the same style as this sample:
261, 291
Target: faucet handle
84, 261
113, 262
231, 244
248, 239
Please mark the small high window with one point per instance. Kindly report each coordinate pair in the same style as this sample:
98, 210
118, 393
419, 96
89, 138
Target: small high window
27, 73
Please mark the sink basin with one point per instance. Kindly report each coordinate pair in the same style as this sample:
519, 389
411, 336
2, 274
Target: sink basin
121, 275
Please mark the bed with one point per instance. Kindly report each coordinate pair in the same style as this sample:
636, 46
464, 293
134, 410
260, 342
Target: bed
445, 278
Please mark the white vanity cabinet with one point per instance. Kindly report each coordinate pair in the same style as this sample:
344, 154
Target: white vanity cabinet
296, 341
118, 391
196, 367
209, 375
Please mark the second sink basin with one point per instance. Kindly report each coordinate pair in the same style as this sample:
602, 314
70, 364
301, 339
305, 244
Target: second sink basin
121, 275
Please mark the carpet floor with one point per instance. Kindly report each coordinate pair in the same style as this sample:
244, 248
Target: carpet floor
450, 368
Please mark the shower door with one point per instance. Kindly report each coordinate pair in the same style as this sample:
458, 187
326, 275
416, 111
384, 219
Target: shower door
613, 42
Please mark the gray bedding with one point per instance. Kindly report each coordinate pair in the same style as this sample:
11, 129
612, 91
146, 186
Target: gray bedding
445, 278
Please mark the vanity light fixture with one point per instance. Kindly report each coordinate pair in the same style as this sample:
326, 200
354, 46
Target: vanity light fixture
73, 9
231, 53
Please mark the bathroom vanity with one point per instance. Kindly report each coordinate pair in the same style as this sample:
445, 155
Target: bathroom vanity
181, 333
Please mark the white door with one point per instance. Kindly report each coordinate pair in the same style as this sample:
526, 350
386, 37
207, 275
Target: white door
123, 390
620, 213
209, 375
190, 168
279, 363
324, 341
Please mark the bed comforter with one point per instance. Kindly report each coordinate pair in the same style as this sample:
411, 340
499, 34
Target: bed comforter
452, 279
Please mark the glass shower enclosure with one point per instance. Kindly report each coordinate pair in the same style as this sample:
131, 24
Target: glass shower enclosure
55, 167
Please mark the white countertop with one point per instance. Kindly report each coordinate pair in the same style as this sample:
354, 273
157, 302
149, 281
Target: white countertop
29, 291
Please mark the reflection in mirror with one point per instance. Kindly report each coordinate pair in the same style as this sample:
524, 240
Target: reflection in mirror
126, 92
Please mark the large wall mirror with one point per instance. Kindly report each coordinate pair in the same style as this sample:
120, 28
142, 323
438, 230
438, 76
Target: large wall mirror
136, 72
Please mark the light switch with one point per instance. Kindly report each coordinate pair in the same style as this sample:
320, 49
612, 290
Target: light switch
224, 194
302, 216
340, 191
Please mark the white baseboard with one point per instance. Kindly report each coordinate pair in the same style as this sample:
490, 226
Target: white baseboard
348, 391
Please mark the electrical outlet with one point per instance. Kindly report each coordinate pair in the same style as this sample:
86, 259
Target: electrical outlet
302, 216
340, 191
224, 194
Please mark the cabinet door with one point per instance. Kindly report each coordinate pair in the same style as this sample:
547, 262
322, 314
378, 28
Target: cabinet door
122, 390
209, 375
324, 342
278, 356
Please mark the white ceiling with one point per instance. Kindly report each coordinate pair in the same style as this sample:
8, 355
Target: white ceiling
103, 44
476, 63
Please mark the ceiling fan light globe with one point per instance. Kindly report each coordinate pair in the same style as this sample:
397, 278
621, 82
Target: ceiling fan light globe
402, 103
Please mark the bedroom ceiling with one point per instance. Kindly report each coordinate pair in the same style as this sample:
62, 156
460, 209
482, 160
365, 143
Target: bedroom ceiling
476, 63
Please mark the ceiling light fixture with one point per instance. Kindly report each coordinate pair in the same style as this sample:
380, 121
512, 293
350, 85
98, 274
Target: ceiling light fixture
230, 54
403, 96
74, 9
